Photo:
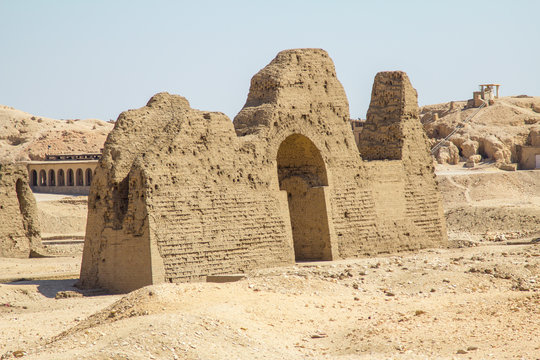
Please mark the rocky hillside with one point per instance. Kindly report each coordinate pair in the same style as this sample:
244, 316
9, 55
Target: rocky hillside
492, 134
24, 136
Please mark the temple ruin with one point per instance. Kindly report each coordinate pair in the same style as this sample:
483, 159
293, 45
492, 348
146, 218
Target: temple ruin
62, 174
181, 194
19, 232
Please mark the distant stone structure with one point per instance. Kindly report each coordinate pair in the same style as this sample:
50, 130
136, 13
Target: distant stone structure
63, 174
19, 227
181, 194
488, 94
529, 154
357, 125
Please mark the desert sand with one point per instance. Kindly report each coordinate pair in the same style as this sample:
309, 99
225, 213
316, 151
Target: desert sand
478, 299
24, 136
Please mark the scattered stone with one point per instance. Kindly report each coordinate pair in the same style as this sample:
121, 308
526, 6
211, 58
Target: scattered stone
469, 164
507, 166
67, 294
469, 148
19, 353
522, 285
447, 153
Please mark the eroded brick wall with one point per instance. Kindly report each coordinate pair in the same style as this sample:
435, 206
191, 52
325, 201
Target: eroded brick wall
19, 223
181, 193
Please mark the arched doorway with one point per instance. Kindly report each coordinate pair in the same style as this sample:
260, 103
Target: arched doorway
88, 177
70, 178
80, 178
34, 178
52, 178
42, 178
302, 173
61, 178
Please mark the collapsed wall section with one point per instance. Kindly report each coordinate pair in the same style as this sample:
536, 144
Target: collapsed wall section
19, 230
181, 200
181, 194
117, 254
401, 167
212, 211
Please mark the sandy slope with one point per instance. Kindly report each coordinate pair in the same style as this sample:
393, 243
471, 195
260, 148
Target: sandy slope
25, 136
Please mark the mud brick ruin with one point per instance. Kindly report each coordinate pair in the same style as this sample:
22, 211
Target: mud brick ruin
181, 194
19, 229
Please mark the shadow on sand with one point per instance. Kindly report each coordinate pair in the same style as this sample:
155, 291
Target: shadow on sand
49, 288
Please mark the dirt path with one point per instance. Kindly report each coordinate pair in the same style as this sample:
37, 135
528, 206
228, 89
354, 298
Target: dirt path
466, 190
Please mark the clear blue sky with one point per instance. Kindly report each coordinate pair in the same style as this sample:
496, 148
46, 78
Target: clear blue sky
94, 59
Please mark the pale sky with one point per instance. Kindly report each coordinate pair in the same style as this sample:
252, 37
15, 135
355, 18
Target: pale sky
96, 58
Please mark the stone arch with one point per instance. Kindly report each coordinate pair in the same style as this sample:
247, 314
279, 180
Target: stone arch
302, 173
42, 178
34, 178
61, 177
52, 178
70, 181
88, 177
80, 177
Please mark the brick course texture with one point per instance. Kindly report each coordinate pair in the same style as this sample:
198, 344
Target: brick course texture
19, 224
181, 194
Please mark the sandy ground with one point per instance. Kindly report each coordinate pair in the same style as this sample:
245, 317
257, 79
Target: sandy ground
62, 216
478, 299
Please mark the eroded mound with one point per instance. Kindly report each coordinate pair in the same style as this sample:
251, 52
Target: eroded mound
25, 136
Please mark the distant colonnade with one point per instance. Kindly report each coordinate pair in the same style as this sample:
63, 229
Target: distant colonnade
70, 176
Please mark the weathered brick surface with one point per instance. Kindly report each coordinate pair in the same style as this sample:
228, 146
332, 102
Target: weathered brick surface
181, 193
19, 224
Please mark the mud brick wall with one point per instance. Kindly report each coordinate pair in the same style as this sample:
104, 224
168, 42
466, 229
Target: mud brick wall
405, 175
382, 136
19, 223
181, 194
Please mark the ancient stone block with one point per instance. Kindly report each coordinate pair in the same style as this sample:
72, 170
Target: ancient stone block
447, 153
469, 148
